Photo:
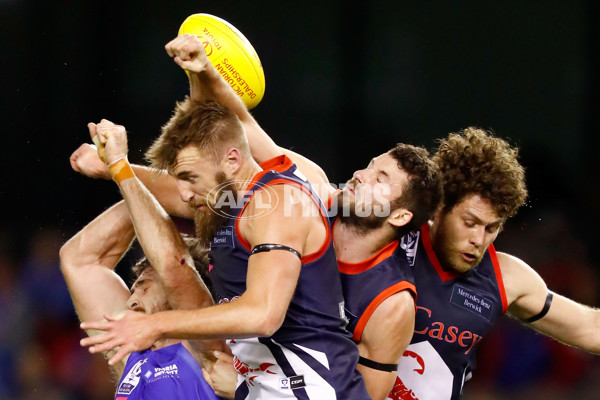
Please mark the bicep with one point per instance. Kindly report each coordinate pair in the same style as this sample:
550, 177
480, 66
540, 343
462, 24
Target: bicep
272, 275
270, 283
389, 329
385, 337
525, 290
96, 291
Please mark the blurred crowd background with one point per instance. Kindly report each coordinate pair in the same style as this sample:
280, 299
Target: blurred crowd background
345, 81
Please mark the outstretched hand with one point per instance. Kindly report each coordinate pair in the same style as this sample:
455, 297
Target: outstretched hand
188, 52
129, 331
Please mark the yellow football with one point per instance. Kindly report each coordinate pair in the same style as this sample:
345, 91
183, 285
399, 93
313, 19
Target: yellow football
231, 54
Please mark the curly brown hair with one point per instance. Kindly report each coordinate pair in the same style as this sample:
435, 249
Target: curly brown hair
424, 190
207, 125
474, 161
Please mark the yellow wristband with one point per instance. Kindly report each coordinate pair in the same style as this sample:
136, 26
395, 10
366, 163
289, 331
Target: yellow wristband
121, 170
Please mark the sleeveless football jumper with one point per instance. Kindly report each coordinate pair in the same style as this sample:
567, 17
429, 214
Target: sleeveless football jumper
311, 356
167, 373
368, 283
454, 312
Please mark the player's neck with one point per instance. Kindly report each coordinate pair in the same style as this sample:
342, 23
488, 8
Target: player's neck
245, 175
159, 344
352, 246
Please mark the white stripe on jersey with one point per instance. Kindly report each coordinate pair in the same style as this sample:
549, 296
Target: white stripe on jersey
269, 382
316, 386
317, 355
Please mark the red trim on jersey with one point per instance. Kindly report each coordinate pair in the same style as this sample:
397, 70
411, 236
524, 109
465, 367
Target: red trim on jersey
357, 268
366, 315
443, 274
307, 258
280, 163
498, 271
329, 201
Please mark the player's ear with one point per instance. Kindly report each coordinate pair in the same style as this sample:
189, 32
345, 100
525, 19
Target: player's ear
232, 160
400, 217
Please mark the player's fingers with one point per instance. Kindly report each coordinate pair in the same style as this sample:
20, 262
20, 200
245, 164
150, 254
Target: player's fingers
118, 356
182, 63
73, 162
169, 47
92, 128
207, 377
98, 325
99, 348
223, 357
94, 340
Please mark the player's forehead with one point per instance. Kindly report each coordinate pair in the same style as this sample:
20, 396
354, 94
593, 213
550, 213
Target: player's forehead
390, 166
385, 160
480, 208
190, 159
147, 277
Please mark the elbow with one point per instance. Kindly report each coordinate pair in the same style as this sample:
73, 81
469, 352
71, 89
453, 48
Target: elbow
65, 255
269, 323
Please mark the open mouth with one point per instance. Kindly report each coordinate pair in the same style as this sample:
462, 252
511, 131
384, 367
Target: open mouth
468, 257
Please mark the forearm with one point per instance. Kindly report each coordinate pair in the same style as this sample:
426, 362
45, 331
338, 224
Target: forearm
209, 85
156, 232
164, 188
571, 323
235, 320
102, 242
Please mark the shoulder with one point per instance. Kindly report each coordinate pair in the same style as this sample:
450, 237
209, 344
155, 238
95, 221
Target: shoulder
521, 282
390, 327
394, 310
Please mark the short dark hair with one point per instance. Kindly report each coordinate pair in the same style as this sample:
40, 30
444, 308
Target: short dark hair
423, 192
474, 161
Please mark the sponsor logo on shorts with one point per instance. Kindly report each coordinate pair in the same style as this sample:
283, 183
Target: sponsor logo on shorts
297, 382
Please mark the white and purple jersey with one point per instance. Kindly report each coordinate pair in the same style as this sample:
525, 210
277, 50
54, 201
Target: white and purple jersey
454, 313
311, 356
167, 373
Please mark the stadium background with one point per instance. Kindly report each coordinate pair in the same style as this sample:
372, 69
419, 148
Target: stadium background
345, 81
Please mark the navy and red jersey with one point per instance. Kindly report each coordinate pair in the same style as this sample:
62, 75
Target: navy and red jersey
167, 373
454, 313
368, 283
311, 356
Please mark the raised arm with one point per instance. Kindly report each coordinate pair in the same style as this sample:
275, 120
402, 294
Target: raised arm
87, 261
157, 234
567, 321
207, 84
258, 312
86, 161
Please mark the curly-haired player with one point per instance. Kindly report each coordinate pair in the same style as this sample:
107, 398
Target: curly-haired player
464, 285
